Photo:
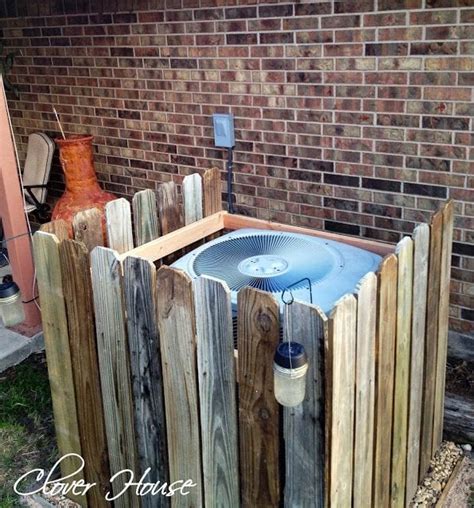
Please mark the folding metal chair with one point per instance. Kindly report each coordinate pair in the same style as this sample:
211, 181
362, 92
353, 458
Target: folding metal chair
39, 157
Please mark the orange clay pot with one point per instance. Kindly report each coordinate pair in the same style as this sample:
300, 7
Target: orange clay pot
82, 188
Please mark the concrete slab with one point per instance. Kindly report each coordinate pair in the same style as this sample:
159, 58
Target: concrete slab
14, 348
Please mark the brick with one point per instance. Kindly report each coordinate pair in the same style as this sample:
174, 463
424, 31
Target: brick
315, 165
433, 48
443, 123
450, 32
342, 155
338, 227
312, 64
385, 19
389, 49
304, 77
446, 179
355, 91
242, 38
241, 12
441, 17
448, 94
400, 34
301, 24
448, 151
467, 314
381, 235
341, 204
307, 176
389, 5
340, 21
440, 63
232, 26
125, 17
466, 48
344, 6
344, 180
316, 8
276, 38
308, 51
425, 190
398, 120
463, 249
425, 136
343, 77
303, 151
383, 133
321, 36
426, 107
353, 35
390, 64
270, 11
385, 185
466, 78
396, 148
384, 106
427, 163
343, 50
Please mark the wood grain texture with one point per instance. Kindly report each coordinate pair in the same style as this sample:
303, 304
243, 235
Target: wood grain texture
459, 413
304, 424
443, 324
212, 191
402, 371
146, 373
431, 341
217, 394
87, 227
192, 198
421, 246
365, 390
177, 327
258, 336
58, 353
385, 369
118, 225
236, 221
342, 326
145, 217
161, 247
77, 289
58, 227
114, 367
169, 210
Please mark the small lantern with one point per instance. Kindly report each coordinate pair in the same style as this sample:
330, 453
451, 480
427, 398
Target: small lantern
11, 308
289, 373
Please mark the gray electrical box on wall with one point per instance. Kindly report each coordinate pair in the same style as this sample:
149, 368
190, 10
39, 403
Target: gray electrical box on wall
223, 130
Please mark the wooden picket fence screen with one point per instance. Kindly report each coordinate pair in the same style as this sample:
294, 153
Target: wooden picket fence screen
144, 374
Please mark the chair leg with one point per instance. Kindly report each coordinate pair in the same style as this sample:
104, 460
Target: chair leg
44, 213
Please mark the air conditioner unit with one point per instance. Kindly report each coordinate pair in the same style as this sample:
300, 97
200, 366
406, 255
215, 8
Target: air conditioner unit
288, 265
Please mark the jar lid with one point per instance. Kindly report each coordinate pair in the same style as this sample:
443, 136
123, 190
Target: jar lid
290, 355
8, 289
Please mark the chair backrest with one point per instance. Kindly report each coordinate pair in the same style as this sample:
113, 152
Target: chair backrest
39, 157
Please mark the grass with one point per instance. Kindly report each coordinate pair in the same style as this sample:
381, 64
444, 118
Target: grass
26, 425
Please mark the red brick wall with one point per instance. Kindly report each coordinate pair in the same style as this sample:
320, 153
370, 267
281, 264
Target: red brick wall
352, 116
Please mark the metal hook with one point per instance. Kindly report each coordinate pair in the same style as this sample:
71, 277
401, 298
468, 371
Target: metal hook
288, 288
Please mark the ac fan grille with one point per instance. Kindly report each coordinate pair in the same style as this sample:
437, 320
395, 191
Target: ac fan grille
305, 259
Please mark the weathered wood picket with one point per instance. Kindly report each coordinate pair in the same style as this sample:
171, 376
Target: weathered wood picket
144, 375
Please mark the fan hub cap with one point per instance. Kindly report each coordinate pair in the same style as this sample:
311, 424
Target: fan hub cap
263, 265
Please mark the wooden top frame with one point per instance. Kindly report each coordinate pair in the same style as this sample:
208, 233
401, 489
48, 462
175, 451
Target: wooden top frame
161, 247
